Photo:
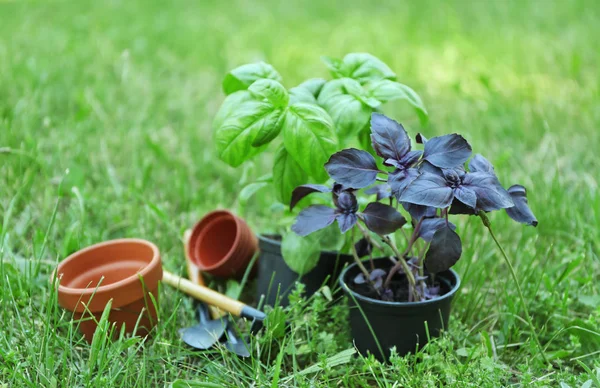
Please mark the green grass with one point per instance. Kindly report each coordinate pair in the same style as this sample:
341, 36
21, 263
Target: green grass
122, 96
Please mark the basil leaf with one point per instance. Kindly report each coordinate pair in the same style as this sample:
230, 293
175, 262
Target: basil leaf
249, 190
243, 76
248, 120
271, 91
309, 138
307, 91
444, 251
246, 130
344, 100
362, 67
301, 254
386, 90
287, 174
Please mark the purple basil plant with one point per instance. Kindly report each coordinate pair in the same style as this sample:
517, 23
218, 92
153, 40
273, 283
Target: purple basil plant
430, 185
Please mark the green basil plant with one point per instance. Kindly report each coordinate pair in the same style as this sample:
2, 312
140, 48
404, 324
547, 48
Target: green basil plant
306, 123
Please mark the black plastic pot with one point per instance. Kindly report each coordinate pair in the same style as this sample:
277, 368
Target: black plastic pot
276, 280
405, 325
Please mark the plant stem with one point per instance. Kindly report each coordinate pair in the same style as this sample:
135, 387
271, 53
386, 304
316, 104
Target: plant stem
362, 267
401, 263
487, 224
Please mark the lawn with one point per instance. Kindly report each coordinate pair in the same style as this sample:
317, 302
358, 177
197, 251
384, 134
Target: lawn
105, 132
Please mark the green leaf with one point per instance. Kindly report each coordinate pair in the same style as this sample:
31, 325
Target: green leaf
242, 77
247, 121
386, 90
298, 94
309, 138
287, 174
344, 100
313, 85
307, 91
229, 106
301, 254
334, 65
249, 190
362, 67
271, 91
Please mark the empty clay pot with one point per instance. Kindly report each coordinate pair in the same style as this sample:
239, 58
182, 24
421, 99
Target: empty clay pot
222, 244
124, 270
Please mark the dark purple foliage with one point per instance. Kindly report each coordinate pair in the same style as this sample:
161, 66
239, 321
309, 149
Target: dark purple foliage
521, 211
447, 151
429, 184
304, 190
382, 219
383, 191
352, 168
444, 251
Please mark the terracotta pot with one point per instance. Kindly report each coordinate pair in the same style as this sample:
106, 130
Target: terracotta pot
222, 244
125, 270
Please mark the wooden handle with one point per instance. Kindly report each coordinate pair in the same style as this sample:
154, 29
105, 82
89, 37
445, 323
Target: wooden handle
204, 294
195, 275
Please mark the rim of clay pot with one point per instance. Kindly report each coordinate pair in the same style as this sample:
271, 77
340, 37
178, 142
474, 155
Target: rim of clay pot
366, 299
226, 217
70, 297
197, 231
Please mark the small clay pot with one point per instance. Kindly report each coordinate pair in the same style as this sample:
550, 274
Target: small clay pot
222, 244
124, 270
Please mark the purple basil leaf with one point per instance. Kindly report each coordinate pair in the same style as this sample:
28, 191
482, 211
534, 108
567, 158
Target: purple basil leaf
393, 163
347, 203
346, 221
430, 168
444, 251
431, 225
383, 191
388, 137
359, 279
480, 164
429, 190
399, 180
304, 190
458, 207
387, 295
378, 283
382, 219
352, 168
363, 247
432, 292
451, 176
313, 218
490, 193
420, 138
521, 211
447, 151
410, 158
377, 273
466, 196
419, 211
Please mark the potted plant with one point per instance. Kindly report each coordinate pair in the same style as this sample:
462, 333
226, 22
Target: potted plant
403, 298
304, 125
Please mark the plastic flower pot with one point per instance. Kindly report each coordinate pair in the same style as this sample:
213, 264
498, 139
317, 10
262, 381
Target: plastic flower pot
276, 280
222, 244
405, 325
126, 271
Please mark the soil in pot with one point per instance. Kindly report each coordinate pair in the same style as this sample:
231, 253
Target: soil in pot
405, 325
126, 271
276, 280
